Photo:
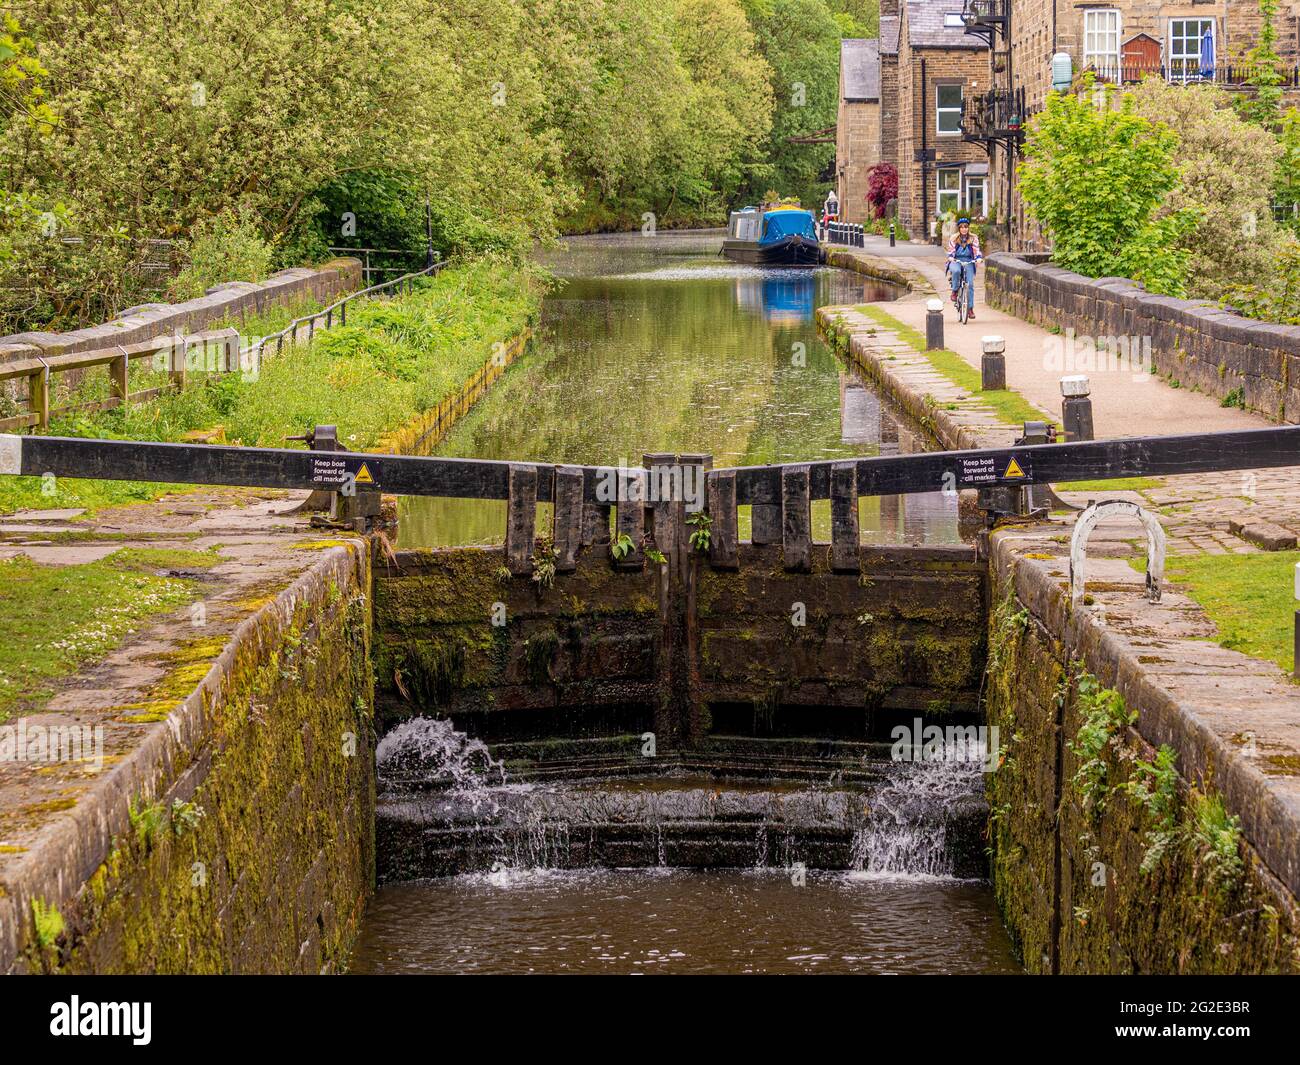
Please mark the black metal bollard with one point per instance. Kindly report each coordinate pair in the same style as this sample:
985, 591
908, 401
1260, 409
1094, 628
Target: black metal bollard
933, 325
891, 233
1076, 408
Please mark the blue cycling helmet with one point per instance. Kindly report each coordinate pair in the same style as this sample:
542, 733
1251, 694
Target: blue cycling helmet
963, 221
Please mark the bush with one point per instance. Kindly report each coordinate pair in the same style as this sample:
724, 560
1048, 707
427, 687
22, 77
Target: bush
882, 187
1226, 171
228, 246
1097, 178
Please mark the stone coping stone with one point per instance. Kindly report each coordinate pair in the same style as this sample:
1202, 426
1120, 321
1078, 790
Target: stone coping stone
149, 320
1263, 534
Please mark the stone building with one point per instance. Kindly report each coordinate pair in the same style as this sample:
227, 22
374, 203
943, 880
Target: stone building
901, 100
1122, 42
940, 66
857, 129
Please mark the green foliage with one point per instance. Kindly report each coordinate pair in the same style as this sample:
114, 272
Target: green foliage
1008, 625
800, 39
1104, 718
1286, 189
48, 921
701, 530
1263, 105
1226, 168
1215, 839
1154, 786
147, 821
656, 556
226, 246
1272, 295
545, 555
185, 817
393, 360
507, 116
621, 546
1096, 177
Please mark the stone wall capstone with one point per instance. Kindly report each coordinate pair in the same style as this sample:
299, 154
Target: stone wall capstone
221, 302
1194, 342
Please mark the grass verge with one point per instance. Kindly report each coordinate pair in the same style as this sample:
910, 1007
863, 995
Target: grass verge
55, 619
1250, 599
1119, 484
1010, 407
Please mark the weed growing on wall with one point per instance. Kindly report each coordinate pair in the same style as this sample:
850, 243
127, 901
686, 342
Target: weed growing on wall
1104, 719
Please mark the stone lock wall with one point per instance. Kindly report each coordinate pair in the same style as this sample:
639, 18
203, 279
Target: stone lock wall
238, 838
1080, 887
1194, 342
233, 299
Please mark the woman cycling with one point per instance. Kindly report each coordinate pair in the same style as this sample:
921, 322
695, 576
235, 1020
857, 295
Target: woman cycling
963, 253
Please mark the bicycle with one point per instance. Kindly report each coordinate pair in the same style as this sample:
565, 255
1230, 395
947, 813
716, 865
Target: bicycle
963, 295
963, 298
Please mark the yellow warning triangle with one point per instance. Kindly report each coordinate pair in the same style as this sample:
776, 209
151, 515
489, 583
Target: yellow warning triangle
1013, 470
363, 475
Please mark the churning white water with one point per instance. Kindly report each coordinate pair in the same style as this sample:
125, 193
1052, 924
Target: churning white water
429, 752
906, 833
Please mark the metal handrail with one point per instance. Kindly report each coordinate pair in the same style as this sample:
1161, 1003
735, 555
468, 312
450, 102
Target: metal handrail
255, 349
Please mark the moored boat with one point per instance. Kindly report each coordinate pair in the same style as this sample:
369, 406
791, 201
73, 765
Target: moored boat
779, 236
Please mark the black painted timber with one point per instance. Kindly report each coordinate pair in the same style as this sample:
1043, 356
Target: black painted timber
1158, 456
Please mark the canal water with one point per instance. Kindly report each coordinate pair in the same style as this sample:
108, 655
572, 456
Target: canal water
679, 921
658, 344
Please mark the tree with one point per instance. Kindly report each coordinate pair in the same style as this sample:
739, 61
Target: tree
1286, 189
882, 187
1262, 106
1096, 178
800, 40
1226, 171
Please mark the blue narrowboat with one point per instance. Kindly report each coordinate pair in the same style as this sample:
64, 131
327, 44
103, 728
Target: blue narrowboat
779, 236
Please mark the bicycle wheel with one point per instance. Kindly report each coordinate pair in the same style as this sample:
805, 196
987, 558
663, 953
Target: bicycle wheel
963, 301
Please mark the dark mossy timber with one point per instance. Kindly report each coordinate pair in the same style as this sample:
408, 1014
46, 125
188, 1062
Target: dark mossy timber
779, 496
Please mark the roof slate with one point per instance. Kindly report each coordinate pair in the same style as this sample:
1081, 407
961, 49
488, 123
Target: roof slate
925, 28
889, 35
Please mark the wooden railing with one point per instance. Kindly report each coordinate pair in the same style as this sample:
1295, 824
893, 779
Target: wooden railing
214, 351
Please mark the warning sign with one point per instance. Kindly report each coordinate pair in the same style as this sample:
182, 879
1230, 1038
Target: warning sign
1006, 468
337, 471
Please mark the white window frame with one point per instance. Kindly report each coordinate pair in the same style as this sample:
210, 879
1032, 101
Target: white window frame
940, 192
982, 181
940, 111
1101, 26
1177, 60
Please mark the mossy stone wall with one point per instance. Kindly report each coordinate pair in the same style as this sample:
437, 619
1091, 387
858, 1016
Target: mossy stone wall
243, 840
1068, 873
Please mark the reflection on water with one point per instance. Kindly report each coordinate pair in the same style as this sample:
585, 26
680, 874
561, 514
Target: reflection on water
658, 344
668, 920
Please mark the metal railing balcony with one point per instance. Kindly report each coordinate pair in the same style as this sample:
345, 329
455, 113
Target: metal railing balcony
997, 115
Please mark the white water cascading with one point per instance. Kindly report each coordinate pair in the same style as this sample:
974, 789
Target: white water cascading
906, 833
